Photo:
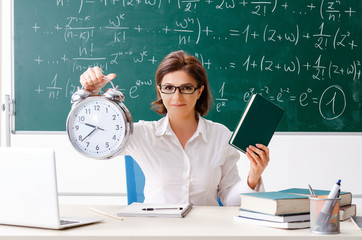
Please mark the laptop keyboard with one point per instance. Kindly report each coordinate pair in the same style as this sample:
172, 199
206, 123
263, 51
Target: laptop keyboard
65, 222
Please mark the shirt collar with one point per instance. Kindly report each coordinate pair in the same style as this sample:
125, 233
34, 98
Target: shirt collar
202, 129
163, 127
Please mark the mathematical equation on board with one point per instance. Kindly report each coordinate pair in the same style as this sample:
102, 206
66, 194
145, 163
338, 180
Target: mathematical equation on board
326, 9
331, 102
193, 30
57, 88
80, 30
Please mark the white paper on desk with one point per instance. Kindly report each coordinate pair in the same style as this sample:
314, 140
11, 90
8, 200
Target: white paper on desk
161, 210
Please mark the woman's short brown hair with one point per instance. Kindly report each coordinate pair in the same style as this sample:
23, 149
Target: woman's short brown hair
181, 61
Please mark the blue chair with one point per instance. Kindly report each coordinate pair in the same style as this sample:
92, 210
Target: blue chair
136, 181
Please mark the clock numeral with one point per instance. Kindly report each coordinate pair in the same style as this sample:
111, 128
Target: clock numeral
114, 137
87, 111
80, 138
114, 117
88, 144
107, 144
97, 147
97, 107
76, 127
106, 110
117, 127
81, 118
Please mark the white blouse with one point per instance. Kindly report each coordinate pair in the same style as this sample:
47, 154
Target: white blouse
204, 170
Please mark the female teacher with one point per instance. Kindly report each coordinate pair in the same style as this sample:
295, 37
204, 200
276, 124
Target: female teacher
184, 157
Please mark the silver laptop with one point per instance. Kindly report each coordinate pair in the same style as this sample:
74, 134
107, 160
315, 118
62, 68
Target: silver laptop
28, 190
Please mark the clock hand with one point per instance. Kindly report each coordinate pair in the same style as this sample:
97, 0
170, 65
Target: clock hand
90, 125
100, 128
89, 134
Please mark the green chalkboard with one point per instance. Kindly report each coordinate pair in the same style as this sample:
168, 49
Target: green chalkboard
303, 55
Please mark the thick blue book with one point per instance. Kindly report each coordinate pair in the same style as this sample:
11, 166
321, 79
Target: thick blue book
275, 203
257, 124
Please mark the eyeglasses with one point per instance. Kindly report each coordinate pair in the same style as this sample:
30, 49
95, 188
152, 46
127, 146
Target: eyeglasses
169, 89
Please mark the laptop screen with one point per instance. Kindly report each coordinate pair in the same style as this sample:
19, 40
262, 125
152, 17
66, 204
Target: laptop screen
28, 187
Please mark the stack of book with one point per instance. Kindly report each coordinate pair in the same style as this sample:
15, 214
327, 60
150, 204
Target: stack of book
288, 209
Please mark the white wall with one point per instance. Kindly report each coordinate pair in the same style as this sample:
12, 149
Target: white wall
296, 160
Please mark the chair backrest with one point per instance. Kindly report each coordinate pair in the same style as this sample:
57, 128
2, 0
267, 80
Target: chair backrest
136, 181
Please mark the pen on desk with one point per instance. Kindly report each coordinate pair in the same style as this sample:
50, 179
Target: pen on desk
311, 191
156, 209
326, 207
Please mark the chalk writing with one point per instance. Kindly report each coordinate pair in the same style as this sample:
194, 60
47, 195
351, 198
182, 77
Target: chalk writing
304, 56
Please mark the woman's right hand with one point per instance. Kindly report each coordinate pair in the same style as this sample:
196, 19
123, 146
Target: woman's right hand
93, 79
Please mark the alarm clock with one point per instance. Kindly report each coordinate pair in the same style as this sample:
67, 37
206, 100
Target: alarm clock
99, 126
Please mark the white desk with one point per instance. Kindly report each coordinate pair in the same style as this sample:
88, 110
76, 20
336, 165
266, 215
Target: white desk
200, 223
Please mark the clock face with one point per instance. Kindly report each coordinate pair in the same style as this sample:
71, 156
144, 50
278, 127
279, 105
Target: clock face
97, 127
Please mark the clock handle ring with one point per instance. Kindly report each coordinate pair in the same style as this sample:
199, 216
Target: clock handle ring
104, 78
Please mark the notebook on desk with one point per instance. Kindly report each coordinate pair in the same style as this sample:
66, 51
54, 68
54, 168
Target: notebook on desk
28, 190
137, 209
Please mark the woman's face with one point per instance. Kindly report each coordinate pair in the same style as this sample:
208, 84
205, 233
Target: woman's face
177, 104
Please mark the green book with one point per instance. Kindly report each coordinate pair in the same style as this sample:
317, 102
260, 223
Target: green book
275, 203
257, 123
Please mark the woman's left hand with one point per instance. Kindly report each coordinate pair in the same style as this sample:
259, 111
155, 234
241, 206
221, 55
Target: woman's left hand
259, 159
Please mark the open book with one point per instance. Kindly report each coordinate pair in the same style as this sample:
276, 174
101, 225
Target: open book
257, 123
155, 210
